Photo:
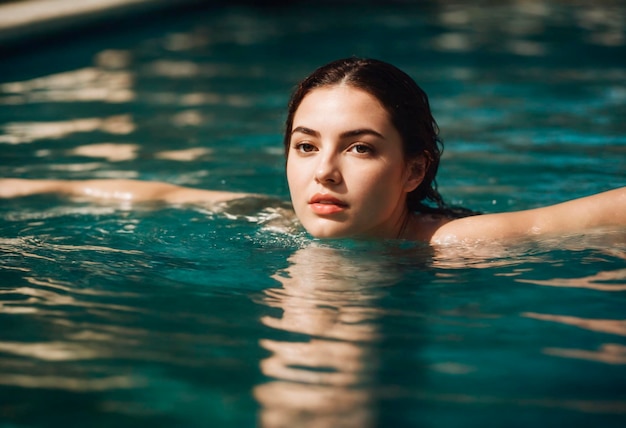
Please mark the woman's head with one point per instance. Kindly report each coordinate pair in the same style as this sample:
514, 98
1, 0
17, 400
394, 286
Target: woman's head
406, 105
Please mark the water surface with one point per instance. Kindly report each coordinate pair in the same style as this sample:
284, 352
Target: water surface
127, 314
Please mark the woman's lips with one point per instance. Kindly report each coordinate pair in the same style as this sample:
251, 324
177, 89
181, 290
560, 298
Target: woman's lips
325, 205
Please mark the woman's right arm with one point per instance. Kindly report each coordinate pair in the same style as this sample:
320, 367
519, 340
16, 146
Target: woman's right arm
114, 189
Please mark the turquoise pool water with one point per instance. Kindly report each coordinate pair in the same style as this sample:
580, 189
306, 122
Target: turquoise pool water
135, 315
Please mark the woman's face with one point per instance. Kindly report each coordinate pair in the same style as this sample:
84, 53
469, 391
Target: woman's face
345, 167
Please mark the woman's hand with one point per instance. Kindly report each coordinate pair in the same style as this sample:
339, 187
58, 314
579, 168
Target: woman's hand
16, 187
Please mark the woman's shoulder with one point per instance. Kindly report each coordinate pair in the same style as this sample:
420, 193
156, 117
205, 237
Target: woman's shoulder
443, 225
449, 230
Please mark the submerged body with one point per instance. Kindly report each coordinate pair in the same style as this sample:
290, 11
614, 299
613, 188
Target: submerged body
362, 153
607, 209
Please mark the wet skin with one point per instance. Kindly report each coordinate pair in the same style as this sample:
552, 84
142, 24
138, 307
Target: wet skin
346, 170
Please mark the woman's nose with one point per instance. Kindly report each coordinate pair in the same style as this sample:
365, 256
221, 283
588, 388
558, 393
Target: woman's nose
328, 171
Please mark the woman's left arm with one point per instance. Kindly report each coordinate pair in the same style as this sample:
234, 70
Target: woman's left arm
600, 210
606, 209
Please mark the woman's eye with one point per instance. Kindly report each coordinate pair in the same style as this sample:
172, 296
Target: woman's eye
361, 149
305, 147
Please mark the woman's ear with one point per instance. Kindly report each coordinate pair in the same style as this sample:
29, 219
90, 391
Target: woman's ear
415, 171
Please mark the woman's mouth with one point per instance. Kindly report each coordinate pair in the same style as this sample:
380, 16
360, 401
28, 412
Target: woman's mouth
325, 204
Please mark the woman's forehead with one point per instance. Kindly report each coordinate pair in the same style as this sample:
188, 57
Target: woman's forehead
332, 103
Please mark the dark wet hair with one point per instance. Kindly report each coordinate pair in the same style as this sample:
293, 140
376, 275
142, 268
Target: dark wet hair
409, 111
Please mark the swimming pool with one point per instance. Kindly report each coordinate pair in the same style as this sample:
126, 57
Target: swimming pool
118, 314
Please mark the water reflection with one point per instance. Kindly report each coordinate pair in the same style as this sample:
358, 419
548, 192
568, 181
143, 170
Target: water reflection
520, 28
83, 85
65, 383
601, 281
184, 155
326, 375
28, 132
112, 152
608, 353
610, 326
331, 344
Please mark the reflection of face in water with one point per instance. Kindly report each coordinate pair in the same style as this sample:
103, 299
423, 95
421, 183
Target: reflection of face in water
325, 376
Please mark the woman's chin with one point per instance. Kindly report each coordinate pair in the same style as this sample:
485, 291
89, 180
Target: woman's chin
328, 235
328, 232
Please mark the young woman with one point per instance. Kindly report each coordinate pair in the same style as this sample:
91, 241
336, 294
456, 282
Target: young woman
362, 153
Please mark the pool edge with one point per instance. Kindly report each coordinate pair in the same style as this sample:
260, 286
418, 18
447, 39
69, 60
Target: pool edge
24, 22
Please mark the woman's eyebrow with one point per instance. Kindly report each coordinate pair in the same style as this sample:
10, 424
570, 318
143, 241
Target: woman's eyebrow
362, 131
306, 131
346, 134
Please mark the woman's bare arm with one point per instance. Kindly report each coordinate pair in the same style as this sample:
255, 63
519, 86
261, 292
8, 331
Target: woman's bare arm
112, 189
607, 209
